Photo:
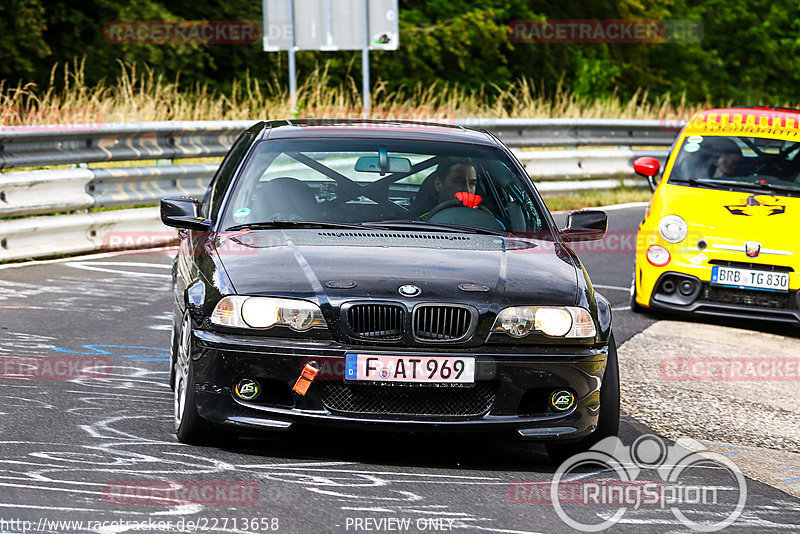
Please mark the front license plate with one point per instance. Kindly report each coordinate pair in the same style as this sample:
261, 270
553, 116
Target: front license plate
749, 279
421, 369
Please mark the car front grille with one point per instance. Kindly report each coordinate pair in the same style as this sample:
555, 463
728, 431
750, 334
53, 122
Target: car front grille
385, 399
430, 323
749, 297
440, 322
376, 321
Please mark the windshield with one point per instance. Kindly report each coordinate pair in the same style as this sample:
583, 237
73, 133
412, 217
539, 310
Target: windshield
383, 182
739, 162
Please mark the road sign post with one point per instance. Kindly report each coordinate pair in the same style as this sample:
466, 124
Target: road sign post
328, 25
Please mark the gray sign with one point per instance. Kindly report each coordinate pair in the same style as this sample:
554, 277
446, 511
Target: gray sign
330, 25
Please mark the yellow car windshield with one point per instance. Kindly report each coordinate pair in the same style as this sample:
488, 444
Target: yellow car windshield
739, 162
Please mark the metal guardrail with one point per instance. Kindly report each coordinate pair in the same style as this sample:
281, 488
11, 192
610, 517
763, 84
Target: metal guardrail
577, 132
62, 197
42, 146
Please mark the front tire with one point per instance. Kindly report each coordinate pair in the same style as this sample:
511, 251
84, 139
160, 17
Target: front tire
607, 421
635, 307
189, 426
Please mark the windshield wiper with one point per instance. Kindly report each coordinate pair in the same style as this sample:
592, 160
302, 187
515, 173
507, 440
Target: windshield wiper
736, 183
705, 181
436, 227
267, 225
773, 187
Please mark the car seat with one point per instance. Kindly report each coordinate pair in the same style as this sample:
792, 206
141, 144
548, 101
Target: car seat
284, 198
426, 198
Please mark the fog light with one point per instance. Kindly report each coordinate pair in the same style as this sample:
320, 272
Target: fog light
562, 400
247, 389
686, 287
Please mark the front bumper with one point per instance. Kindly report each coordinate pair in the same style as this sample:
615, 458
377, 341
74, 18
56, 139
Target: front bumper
511, 393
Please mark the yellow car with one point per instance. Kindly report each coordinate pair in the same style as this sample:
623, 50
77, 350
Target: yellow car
720, 236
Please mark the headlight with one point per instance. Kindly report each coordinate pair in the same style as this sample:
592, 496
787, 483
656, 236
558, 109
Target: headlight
567, 321
266, 312
673, 229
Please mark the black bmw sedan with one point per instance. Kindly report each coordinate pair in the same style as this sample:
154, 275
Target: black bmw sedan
385, 275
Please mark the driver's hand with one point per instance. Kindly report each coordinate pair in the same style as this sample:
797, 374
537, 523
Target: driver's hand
469, 200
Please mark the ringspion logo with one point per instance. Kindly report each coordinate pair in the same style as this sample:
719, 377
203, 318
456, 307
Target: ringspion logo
681, 486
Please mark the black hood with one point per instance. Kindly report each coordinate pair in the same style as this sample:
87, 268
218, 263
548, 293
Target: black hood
335, 265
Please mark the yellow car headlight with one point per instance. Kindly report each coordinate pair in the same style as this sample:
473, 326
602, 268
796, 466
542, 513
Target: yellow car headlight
673, 229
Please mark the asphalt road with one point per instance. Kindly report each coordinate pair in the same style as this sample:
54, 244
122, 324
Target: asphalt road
102, 450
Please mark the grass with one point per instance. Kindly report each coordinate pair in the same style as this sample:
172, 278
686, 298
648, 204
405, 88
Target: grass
593, 199
137, 95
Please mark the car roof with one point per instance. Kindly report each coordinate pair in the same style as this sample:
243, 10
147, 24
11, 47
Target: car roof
371, 128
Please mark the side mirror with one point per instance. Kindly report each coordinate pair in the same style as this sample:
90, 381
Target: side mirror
647, 167
585, 225
182, 212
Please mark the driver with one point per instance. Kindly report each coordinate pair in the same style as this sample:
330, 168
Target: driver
727, 164
458, 177
727, 157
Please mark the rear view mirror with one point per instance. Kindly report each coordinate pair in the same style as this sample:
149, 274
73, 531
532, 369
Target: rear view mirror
182, 212
585, 225
647, 167
373, 164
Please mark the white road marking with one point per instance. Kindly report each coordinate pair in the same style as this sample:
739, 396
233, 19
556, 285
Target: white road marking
617, 288
89, 257
503, 530
92, 266
612, 207
357, 509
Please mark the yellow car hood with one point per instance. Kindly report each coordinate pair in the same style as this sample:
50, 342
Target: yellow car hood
773, 220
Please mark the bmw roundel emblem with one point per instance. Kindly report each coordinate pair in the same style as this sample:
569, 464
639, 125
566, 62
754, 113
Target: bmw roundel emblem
409, 290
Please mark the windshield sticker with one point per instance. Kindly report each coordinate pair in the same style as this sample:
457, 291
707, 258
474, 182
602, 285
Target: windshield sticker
694, 139
241, 212
691, 147
754, 206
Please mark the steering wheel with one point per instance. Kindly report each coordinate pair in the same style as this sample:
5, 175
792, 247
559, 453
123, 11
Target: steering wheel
447, 204
481, 217
450, 204
767, 165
